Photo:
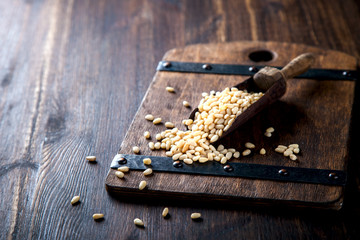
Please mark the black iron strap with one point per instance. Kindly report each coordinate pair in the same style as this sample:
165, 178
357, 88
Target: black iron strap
248, 70
243, 170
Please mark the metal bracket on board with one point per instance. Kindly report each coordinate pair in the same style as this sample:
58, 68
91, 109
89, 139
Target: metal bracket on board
248, 70
244, 170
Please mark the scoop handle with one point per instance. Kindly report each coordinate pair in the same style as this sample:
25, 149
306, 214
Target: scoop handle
298, 65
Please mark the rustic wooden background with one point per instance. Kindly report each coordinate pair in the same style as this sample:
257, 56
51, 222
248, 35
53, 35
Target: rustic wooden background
72, 75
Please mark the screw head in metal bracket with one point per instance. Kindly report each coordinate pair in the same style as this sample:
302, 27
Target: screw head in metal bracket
253, 69
333, 176
228, 168
283, 172
166, 64
177, 164
122, 160
207, 66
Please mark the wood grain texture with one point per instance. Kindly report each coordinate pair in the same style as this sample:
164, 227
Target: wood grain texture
315, 114
72, 75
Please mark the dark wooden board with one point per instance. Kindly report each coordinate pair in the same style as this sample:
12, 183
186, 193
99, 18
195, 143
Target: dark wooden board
315, 114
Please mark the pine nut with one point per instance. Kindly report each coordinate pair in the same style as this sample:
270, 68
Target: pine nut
75, 200
223, 160
165, 212
157, 145
157, 121
136, 149
262, 151
296, 150
236, 154
203, 159
119, 174
220, 147
147, 161
158, 136
279, 150
249, 145
294, 145
293, 157
287, 153
138, 222
148, 171
170, 89
246, 152
188, 161
97, 216
214, 138
186, 104
270, 130
123, 169
228, 155
195, 215
91, 158
149, 117
151, 145
147, 134
267, 134
142, 185
169, 125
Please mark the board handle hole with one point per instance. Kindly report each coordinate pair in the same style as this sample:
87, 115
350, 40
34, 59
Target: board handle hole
261, 56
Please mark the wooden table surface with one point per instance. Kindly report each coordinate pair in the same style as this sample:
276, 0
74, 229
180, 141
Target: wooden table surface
72, 75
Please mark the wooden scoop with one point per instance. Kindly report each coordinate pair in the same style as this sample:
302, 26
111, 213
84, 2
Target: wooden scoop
272, 82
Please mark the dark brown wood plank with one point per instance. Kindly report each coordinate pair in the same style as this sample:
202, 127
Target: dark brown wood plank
72, 75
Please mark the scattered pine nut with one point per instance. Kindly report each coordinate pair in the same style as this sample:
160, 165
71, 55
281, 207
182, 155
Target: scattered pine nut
142, 185
267, 134
170, 89
246, 152
123, 169
75, 200
149, 117
136, 149
158, 136
91, 158
236, 154
147, 161
293, 157
270, 130
249, 145
294, 145
157, 145
157, 121
138, 222
262, 151
147, 134
287, 153
186, 104
148, 171
165, 212
188, 161
97, 216
169, 125
119, 174
223, 160
195, 215
151, 145
279, 150
296, 150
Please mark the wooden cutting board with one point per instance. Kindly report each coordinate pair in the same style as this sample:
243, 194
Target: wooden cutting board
316, 114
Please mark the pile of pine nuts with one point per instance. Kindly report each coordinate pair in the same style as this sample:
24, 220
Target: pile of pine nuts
217, 112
